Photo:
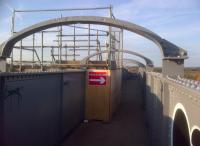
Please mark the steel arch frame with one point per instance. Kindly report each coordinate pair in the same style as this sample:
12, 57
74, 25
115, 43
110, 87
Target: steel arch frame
168, 50
149, 62
139, 64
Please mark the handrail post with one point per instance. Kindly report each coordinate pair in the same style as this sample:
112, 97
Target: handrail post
42, 51
33, 53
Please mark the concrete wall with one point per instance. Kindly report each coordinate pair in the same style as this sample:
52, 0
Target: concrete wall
40, 109
163, 98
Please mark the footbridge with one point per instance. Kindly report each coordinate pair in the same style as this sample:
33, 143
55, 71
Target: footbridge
96, 99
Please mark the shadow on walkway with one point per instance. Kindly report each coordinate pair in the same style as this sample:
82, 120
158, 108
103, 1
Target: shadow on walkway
127, 128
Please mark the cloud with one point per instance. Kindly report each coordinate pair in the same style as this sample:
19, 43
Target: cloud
6, 19
18, 16
143, 9
171, 19
4, 35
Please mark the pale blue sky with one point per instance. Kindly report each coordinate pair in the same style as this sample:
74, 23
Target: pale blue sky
175, 20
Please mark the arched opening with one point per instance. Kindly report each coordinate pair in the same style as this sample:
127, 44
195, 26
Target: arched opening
195, 138
180, 130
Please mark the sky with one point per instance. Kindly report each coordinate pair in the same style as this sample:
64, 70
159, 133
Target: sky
175, 20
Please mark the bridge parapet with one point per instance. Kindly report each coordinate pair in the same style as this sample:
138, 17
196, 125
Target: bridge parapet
186, 83
165, 96
191, 84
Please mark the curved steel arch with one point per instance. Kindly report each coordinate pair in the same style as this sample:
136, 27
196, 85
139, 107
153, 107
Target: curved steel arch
169, 50
147, 60
139, 64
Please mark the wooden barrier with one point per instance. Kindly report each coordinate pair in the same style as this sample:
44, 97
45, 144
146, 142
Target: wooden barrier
103, 91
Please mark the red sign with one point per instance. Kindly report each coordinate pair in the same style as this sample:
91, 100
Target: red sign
97, 77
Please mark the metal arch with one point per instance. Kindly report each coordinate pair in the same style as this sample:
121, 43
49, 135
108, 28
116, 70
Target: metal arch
169, 50
139, 64
147, 60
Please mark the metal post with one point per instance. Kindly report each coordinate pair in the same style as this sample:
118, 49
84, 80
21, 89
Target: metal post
52, 52
13, 22
42, 48
52, 55
60, 59
110, 29
97, 43
12, 32
119, 54
11, 63
33, 53
66, 53
114, 46
59, 10
20, 68
74, 42
88, 39
122, 46
58, 43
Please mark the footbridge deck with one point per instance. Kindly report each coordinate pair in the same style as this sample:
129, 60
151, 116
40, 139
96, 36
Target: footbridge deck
128, 126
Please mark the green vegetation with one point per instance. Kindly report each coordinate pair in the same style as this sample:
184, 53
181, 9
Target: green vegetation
189, 73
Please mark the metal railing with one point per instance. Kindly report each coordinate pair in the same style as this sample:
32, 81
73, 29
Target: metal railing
67, 46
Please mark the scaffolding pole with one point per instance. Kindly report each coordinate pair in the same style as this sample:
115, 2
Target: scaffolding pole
110, 30
59, 10
12, 33
78, 46
66, 54
119, 54
97, 44
122, 47
20, 69
88, 39
60, 40
60, 44
33, 53
42, 50
13, 22
52, 55
74, 42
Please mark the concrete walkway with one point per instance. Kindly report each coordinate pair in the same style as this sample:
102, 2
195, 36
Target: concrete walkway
126, 129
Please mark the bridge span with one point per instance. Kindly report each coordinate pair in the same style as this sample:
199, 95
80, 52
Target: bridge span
87, 102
